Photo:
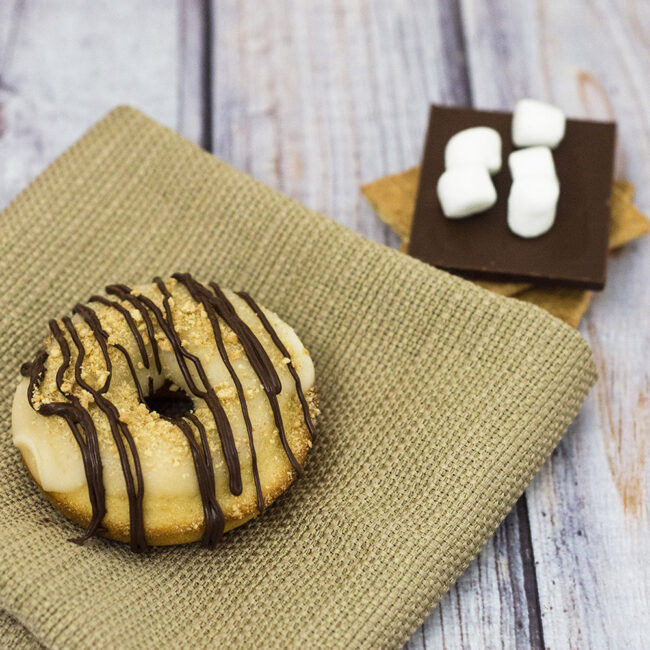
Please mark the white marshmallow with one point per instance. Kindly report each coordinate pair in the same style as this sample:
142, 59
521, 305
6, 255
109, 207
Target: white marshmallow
479, 145
531, 205
465, 190
533, 161
537, 123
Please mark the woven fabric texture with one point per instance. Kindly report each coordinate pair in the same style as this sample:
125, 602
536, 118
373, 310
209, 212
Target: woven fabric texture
439, 403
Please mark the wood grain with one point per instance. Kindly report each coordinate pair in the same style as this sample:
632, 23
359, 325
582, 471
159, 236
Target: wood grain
193, 100
589, 505
317, 98
64, 66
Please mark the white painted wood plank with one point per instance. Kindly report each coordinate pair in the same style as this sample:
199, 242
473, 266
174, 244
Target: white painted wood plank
190, 75
345, 107
589, 508
65, 64
315, 98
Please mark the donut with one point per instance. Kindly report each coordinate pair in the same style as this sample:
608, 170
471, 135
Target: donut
165, 413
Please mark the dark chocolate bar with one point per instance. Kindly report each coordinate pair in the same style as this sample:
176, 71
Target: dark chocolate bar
572, 253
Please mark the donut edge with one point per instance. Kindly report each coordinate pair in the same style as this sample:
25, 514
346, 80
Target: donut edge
186, 534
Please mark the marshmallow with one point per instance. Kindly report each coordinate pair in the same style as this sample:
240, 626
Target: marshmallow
537, 123
465, 190
533, 161
479, 145
531, 205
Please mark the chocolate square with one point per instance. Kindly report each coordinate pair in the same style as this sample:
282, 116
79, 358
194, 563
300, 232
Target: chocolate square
572, 253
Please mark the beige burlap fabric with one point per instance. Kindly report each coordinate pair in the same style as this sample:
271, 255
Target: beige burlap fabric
440, 401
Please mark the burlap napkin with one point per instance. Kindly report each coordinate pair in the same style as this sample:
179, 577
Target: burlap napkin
439, 403
393, 198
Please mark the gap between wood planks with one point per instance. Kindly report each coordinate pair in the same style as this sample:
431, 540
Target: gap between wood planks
207, 105
196, 70
454, 42
463, 92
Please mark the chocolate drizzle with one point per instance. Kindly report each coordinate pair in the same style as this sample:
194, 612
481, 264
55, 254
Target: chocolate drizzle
216, 306
278, 344
119, 430
80, 423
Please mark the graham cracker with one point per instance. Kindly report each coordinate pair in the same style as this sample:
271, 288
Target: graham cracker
393, 199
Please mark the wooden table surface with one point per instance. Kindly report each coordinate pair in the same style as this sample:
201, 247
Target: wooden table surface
317, 97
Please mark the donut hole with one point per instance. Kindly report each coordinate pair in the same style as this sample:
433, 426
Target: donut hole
169, 400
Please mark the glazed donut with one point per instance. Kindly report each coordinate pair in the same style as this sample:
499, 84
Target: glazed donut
166, 413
